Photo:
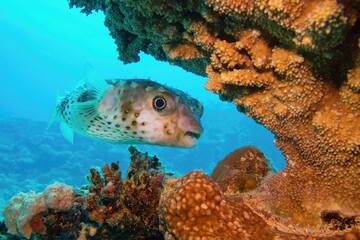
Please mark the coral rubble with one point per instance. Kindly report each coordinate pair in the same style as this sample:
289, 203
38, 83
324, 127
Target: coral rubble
109, 208
293, 66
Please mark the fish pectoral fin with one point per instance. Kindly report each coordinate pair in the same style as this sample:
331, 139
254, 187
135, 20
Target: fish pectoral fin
84, 112
67, 131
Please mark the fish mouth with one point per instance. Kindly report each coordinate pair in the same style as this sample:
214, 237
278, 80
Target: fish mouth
193, 134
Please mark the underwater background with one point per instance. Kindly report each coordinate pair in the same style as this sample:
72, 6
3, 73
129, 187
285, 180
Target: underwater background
45, 48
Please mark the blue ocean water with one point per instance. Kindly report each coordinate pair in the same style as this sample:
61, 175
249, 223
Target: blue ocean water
45, 48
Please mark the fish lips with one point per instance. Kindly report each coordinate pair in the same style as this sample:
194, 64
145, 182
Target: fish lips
193, 134
191, 127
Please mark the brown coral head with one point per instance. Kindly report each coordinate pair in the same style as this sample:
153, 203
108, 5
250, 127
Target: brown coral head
242, 170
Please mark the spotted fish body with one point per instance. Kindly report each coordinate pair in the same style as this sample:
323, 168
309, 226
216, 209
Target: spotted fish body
132, 111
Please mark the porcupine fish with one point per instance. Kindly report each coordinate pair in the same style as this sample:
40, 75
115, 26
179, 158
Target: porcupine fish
131, 111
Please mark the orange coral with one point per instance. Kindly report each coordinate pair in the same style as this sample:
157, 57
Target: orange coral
315, 119
318, 132
184, 51
308, 21
195, 208
350, 91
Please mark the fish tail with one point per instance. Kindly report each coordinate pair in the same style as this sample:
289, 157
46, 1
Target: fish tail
65, 129
57, 112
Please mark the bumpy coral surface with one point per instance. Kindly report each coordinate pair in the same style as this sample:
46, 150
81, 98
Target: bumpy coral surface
293, 66
196, 208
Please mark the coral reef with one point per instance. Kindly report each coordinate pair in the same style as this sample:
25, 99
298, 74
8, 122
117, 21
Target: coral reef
148, 203
109, 208
242, 170
293, 66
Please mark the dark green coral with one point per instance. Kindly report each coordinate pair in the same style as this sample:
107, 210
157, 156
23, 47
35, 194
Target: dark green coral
144, 26
88, 6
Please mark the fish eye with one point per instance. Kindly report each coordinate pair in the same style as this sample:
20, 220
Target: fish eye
159, 103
